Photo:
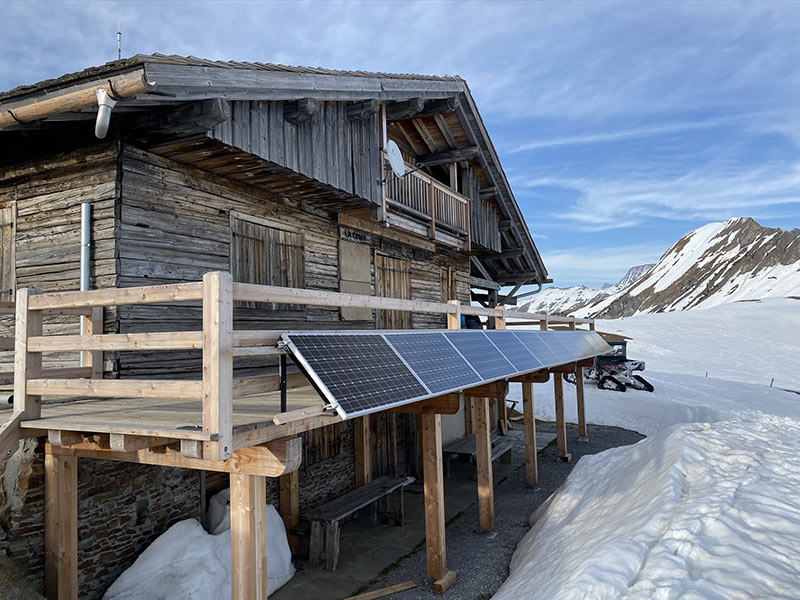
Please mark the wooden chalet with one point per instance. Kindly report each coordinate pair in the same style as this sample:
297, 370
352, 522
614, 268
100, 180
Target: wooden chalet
230, 202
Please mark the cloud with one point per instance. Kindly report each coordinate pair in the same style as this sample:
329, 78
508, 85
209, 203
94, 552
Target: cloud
595, 266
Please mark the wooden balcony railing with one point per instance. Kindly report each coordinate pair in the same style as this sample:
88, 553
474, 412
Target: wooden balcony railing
423, 197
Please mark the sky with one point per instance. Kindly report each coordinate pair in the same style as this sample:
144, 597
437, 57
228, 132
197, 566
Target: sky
620, 125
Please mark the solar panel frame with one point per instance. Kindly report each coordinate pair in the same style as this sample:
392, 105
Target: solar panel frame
545, 348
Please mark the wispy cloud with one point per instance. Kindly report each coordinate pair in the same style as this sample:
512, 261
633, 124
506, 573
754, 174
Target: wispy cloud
595, 266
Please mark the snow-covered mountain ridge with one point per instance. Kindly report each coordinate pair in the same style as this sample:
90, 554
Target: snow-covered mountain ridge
717, 263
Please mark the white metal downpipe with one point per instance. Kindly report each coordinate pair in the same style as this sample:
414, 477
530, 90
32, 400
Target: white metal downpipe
86, 247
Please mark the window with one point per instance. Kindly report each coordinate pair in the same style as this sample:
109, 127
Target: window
267, 256
7, 280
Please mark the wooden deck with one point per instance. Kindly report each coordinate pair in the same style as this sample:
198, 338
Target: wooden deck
179, 419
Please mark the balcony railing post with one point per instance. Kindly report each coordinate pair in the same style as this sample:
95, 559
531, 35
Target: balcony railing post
218, 364
432, 210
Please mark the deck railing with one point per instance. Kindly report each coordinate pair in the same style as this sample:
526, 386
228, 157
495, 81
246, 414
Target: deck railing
427, 199
218, 340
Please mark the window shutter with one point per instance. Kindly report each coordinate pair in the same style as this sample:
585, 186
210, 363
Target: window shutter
7, 280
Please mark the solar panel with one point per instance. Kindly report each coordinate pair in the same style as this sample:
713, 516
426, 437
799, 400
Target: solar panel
364, 372
434, 359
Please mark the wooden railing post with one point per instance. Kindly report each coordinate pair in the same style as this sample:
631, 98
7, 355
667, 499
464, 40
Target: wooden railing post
218, 364
27, 365
432, 210
93, 325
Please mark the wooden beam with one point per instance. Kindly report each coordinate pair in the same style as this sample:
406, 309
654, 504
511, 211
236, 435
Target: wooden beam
27, 364
248, 502
495, 389
93, 326
383, 592
581, 404
300, 414
301, 111
488, 192
58, 437
61, 526
586, 362
448, 156
440, 586
9, 437
116, 388
391, 233
363, 450
261, 384
535, 377
125, 85
169, 340
529, 425
565, 368
483, 447
272, 459
441, 106
435, 546
289, 504
218, 363
131, 443
359, 111
405, 109
485, 284
561, 427
448, 404
152, 294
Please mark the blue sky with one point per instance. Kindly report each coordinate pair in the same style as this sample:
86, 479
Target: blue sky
621, 126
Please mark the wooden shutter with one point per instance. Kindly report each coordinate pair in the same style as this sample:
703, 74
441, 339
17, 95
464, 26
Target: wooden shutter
267, 256
7, 279
393, 280
322, 443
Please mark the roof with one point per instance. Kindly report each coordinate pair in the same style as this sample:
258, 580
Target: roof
173, 59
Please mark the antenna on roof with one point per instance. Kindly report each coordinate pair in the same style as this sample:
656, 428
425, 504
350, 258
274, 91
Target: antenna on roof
119, 41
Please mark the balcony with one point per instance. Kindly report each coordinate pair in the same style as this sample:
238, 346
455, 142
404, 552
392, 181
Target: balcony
423, 205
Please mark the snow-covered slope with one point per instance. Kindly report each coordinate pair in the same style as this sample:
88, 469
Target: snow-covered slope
712, 265
708, 506
563, 301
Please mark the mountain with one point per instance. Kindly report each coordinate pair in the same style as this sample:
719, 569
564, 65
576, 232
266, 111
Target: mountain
562, 301
717, 263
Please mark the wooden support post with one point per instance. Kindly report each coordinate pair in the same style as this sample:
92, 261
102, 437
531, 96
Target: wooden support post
544, 323
561, 428
469, 421
581, 403
529, 423
500, 322
93, 326
483, 443
248, 537
218, 363
591, 325
363, 450
435, 546
289, 504
27, 365
61, 527
454, 319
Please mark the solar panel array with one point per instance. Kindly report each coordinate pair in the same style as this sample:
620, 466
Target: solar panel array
364, 372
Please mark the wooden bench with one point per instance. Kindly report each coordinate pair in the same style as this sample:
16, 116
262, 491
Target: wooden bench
326, 519
465, 446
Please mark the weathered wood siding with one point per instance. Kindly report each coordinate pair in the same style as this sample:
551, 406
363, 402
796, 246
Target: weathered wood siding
175, 226
328, 146
45, 195
483, 216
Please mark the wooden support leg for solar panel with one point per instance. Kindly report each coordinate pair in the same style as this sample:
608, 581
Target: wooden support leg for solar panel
289, 503
483, 443
363, 450
529, 424
469, 422
561, 428
435, 547
61, 526
248, 537
581, 404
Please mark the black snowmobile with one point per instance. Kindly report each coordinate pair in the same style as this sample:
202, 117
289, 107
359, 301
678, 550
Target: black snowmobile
614, 371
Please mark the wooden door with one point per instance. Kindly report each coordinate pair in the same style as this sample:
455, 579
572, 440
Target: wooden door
393, 280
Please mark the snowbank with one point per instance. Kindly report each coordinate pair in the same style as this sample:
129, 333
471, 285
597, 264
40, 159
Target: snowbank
696, 511
186, 563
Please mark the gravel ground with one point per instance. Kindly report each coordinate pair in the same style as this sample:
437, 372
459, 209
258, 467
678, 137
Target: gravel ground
481, 559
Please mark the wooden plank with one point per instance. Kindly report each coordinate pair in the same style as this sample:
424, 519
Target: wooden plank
440, 586
529, 426
59, 437
93, 325
579, 393
117, 388
170, 340
483, 447
289, 504
383, 592
217, 385
9, 437
152, 294
363, 451
448, 404
561, 428
300, 414
535, 377
496, 389
260, 384
435, 546
565, 368
248, 498
27, 365
391, 233
255, 351
272, 459
257, 337
61, 526
131, 443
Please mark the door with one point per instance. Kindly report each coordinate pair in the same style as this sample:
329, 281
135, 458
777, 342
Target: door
393, 280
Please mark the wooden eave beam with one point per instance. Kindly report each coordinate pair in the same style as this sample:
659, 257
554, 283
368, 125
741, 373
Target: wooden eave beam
488, 192
404, 110
445, 129
485, 284
425, 135
301, 111
434, 108
358, 111
447, 156
190, 119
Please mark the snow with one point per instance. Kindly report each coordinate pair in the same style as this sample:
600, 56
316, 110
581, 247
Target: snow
187, 563
708, 505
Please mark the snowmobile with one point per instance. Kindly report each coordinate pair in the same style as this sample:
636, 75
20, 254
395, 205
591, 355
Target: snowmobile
614, 371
